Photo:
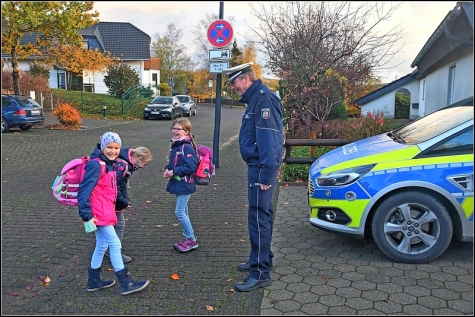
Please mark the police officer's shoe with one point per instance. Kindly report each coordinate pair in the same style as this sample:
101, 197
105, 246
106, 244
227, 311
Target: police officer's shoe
244, 267
251, 284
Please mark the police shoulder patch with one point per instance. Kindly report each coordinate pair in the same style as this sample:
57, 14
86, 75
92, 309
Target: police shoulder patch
265, 113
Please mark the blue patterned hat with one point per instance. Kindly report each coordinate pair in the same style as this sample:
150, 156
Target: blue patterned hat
109, 137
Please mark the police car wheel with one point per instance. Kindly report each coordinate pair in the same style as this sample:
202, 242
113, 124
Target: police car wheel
412, 227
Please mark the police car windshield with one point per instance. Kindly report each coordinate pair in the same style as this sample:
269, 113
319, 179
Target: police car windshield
433, 125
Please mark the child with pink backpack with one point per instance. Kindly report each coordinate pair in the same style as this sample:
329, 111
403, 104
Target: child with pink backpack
96, 203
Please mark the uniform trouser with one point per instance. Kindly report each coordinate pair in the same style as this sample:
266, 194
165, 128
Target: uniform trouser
260, 223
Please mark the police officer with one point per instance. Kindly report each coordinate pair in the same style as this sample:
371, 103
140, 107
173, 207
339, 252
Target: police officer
260, 143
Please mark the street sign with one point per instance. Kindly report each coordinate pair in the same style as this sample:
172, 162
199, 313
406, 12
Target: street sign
220, 33
218, 67
219, 55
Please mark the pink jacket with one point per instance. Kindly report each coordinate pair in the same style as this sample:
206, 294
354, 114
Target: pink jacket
97, 194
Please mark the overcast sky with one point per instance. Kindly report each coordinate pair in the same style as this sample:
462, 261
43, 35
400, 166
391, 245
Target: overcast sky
418, 19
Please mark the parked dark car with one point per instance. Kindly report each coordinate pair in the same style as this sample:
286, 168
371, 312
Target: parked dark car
163, 107
20, 111
189, 105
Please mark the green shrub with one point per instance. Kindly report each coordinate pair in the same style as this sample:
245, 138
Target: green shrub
119, 78
339, 112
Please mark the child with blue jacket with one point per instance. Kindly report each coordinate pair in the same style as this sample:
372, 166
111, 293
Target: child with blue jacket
96, 203
183, 163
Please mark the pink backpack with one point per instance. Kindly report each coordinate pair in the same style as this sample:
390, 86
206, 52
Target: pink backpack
66, 185
206, 167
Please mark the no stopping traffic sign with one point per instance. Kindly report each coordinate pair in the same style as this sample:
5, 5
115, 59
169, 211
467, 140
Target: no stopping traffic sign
220, 33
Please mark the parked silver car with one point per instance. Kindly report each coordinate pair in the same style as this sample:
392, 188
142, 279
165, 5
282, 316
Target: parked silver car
189, 105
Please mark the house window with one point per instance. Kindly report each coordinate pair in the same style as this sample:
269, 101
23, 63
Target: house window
154, 80
89, 87
85, 45
61, 80
450, 92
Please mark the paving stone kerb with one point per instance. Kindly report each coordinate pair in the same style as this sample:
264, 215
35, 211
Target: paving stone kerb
315, 273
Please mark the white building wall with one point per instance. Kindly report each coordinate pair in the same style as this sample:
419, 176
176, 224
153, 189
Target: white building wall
464, 78
437, 84
96, 78
386, 103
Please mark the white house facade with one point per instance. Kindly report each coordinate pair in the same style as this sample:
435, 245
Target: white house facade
122, 40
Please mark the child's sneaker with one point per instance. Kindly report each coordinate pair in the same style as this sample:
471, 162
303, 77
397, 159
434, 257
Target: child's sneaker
186, 245
178, 243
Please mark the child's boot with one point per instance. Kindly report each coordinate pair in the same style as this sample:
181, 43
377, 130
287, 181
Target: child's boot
127, 285
94, 281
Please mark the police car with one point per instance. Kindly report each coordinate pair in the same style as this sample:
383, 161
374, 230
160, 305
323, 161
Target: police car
411, 189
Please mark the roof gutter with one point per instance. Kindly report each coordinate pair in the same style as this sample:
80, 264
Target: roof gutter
444, 28
453, 14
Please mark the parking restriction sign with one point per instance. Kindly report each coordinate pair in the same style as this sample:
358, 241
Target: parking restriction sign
220, 33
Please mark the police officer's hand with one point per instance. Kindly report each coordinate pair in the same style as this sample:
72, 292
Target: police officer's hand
265, 187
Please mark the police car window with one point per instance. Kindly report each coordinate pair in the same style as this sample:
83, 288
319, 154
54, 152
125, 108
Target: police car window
456, 145
434, 124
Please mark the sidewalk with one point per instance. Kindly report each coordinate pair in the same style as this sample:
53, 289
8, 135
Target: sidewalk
315, 273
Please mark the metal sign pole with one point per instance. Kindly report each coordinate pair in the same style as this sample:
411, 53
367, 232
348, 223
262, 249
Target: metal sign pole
217, 109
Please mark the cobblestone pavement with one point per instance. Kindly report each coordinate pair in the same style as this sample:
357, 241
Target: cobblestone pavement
315, 273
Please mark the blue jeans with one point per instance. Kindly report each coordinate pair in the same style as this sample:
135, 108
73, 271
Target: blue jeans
120, 227
106, 237
181, 212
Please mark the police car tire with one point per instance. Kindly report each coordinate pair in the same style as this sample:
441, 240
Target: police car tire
440, 228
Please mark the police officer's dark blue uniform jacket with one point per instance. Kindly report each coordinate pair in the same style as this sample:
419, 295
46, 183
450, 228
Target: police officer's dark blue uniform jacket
262, 129
184, 162
124, 168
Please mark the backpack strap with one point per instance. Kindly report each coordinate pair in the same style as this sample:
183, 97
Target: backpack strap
103, 165
181, 152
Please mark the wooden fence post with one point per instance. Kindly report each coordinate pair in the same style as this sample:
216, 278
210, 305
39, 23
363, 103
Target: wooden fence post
313, 149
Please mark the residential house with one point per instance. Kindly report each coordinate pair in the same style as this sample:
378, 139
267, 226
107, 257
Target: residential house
122, 40
444, 72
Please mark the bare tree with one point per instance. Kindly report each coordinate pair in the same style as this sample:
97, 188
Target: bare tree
323, 50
